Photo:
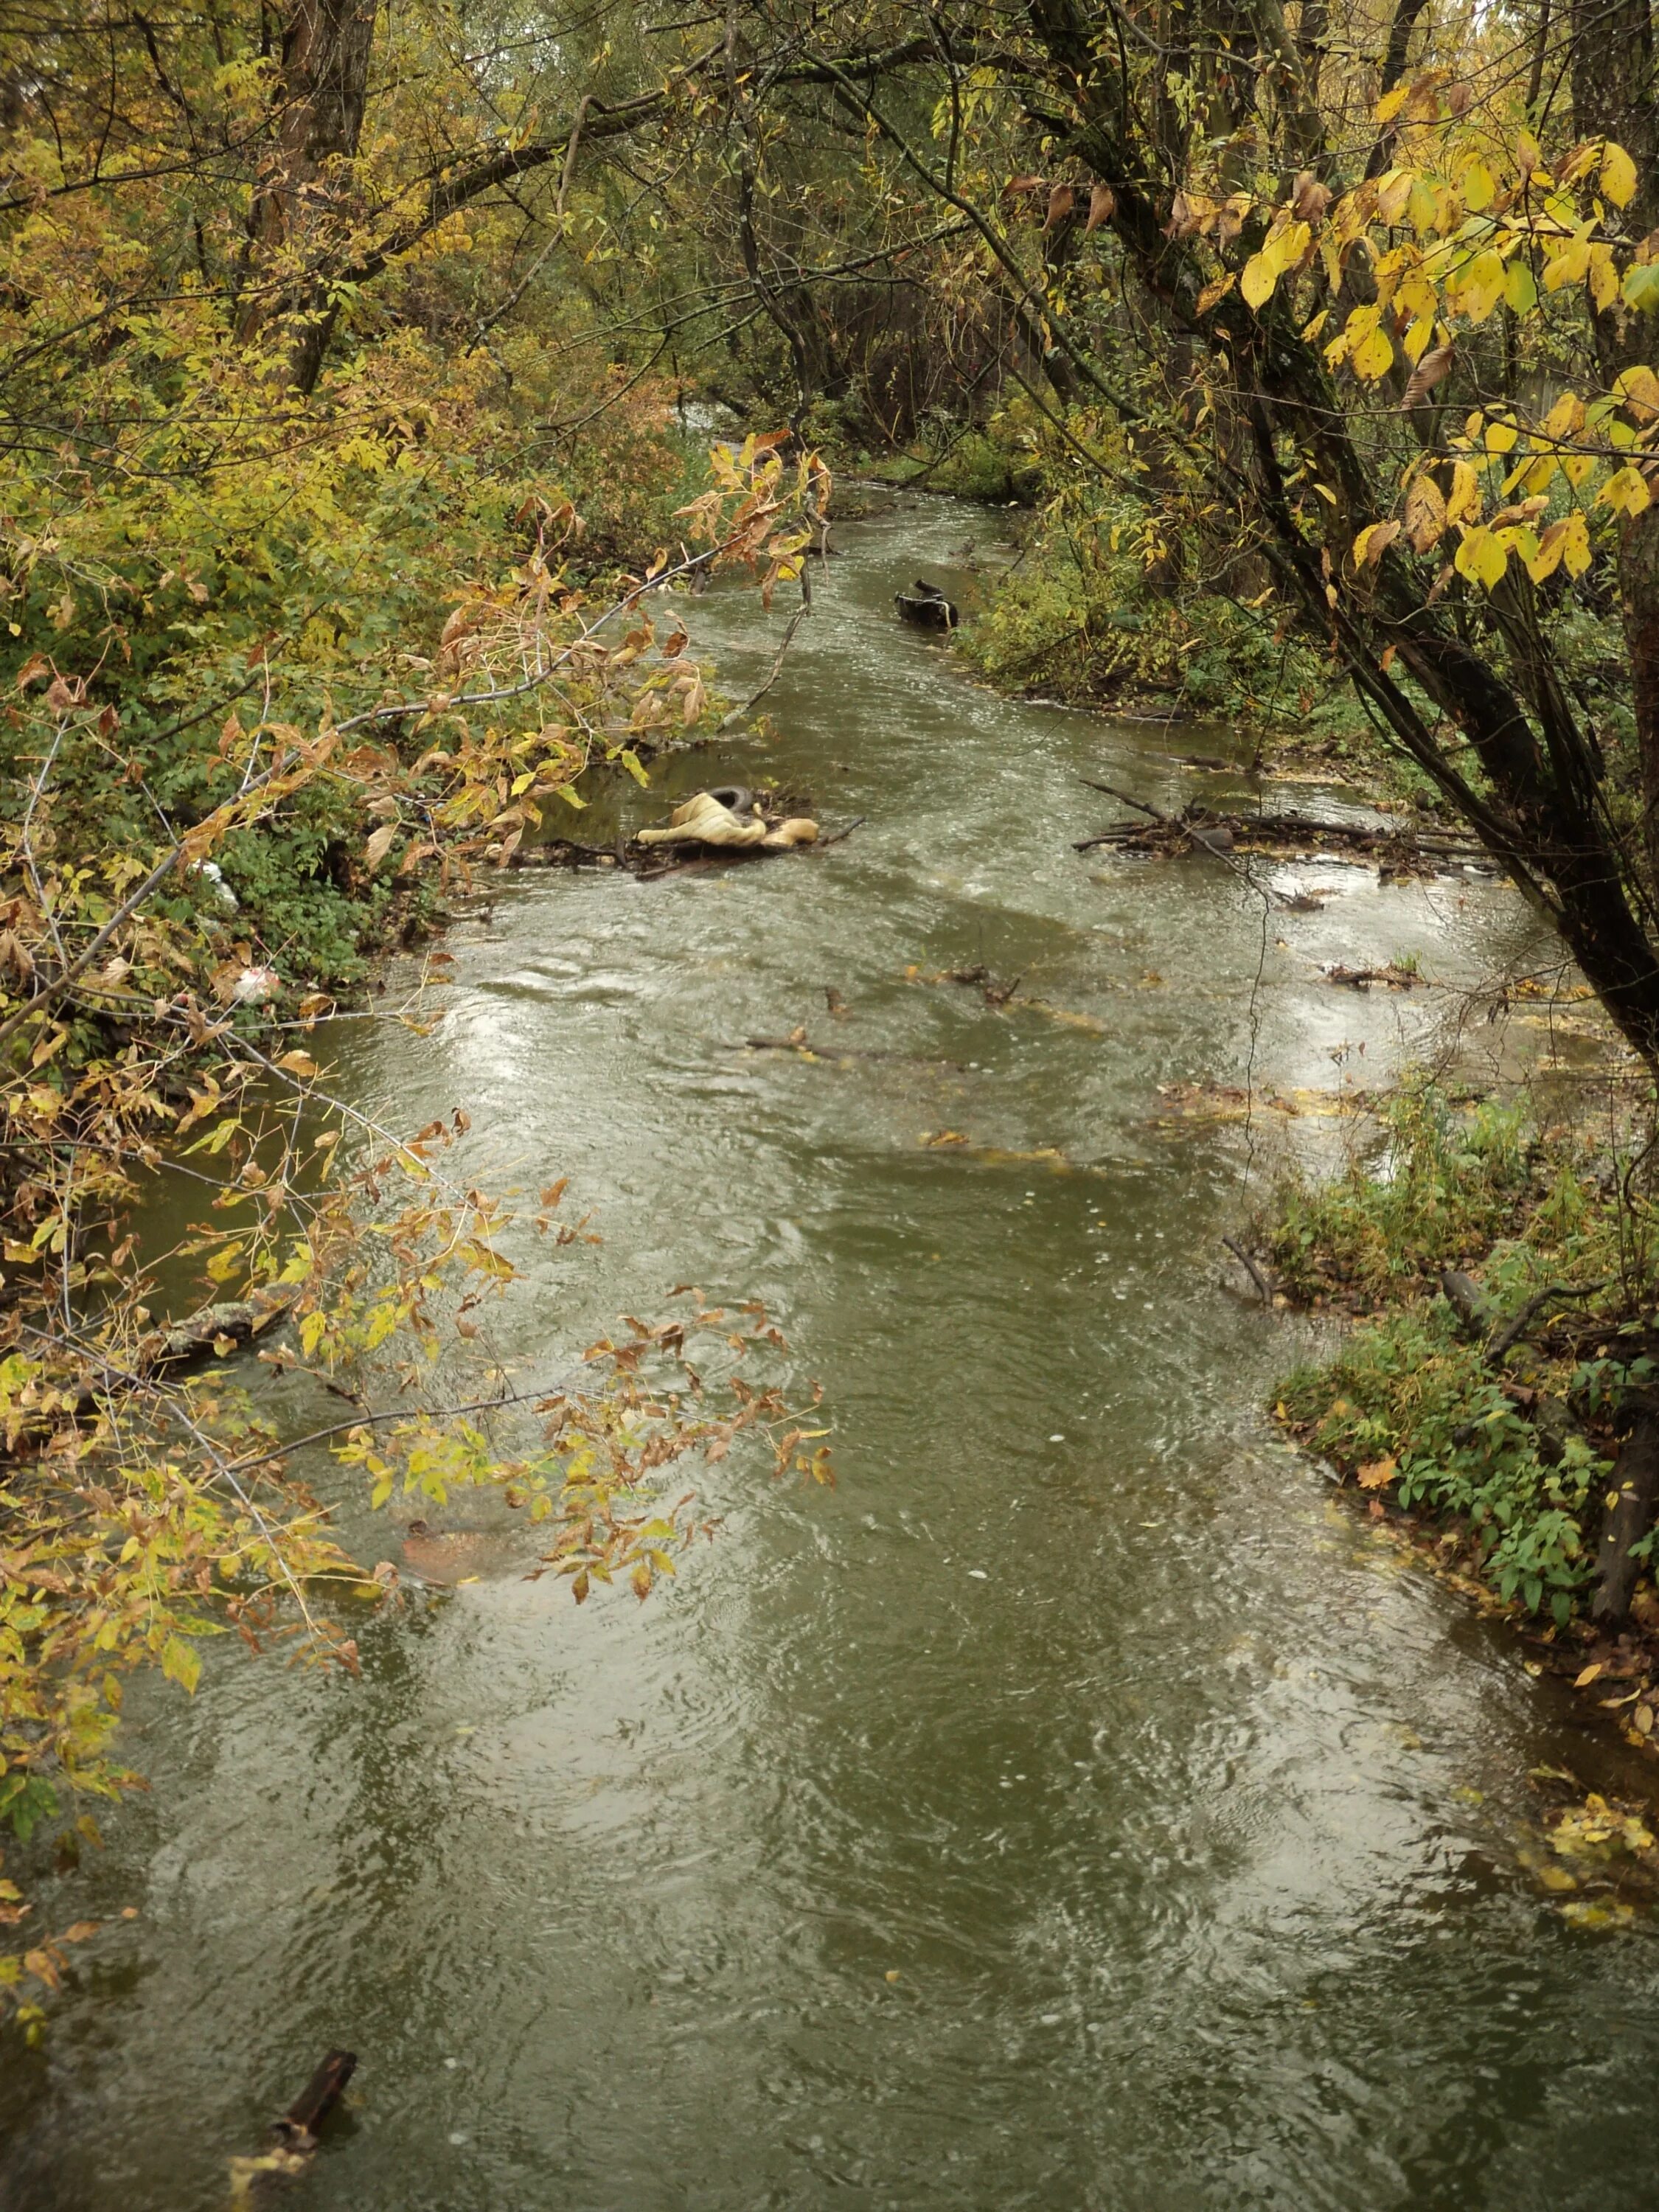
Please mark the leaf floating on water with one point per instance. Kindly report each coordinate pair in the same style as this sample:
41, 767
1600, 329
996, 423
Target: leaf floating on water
1603, 1913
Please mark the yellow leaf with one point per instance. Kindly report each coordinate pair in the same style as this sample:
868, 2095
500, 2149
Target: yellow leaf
181, 1662
1257, 283
1588, 1675
1481, 557
380, 845
1394, 195
1618, 174
1576, 545
1478, 187
1373, 356
1569, 264
1603, 278
1481, 285
1214, 292
1639, 390
1500, 437
1626, 492
1378, 1474
1373, 542
1464, 503
1391, 103
1566, 418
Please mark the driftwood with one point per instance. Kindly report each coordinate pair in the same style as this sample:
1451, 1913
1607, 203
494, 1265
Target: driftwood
647, 862
1399, 850
296, 2129
798, 1041
212, 1331
981, 978
1252, 1268
298, 2126
214, 1328
927, 607
1361, 979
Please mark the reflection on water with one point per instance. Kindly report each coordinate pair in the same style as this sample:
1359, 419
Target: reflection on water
1076, 1807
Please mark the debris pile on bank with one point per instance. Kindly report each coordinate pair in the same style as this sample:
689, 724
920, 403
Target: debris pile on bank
1400, 850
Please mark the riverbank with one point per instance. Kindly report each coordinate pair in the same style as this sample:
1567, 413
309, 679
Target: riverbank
1490, 1264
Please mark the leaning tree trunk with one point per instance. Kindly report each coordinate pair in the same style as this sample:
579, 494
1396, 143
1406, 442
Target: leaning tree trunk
1614, 96
295, 218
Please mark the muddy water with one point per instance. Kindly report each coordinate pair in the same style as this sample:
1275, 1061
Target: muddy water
1075, 1808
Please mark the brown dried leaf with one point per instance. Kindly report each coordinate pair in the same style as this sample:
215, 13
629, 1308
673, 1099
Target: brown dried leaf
1425, 514
1309, 198
1434, 368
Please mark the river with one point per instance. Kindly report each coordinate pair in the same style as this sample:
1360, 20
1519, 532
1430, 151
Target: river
1077, 1807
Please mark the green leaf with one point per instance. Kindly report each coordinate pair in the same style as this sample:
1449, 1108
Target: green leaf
1520, 286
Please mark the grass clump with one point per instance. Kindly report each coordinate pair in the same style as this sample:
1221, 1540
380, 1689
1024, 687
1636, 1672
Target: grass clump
1503, 1448
1441, 1187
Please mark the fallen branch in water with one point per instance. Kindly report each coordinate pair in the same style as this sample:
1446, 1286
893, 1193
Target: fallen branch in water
1252, 1268
295, 2130
1361, 979
1399, 850
755, 698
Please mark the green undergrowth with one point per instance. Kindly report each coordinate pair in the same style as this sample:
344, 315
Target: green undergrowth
296, 594
1078, 618
1504, 1455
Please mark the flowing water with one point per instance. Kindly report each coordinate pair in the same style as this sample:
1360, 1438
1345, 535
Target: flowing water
1078, 1806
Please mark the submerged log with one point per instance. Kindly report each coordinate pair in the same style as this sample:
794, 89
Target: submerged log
298, 2126
1398, 849
217, 1329
926, 607
296, 2131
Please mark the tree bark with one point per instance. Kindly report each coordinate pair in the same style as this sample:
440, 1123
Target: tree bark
1635, 1479
324, 86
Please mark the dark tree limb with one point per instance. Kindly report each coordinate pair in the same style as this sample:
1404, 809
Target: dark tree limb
1635, 1479
299, 2125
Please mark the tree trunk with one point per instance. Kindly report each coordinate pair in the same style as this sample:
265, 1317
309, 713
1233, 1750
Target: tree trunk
1613, 96
1636, 1481
320, 119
